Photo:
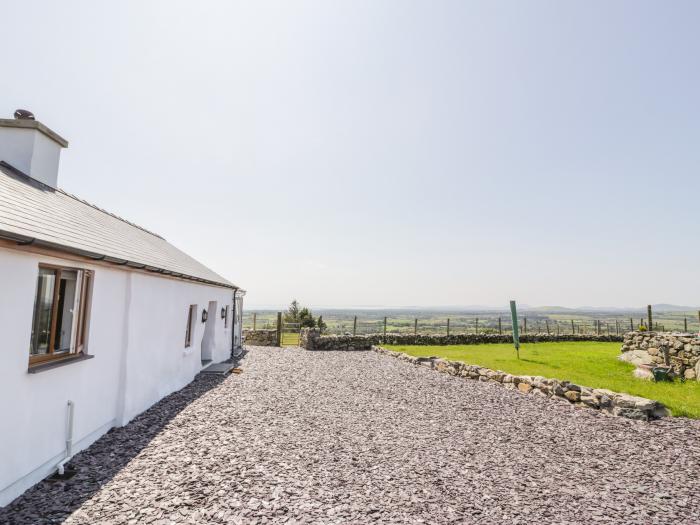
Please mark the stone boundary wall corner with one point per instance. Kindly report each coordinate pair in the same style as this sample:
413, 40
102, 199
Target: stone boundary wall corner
680, 351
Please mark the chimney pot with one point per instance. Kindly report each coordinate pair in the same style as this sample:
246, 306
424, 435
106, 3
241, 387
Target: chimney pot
24, 114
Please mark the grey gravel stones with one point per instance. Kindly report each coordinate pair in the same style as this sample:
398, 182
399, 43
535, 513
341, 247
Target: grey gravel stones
357, 437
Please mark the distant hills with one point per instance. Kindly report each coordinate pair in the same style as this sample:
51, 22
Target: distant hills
673, 308
660, 307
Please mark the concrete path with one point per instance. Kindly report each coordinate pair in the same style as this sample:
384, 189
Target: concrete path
356, 437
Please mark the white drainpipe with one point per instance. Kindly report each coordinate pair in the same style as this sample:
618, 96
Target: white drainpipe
69, 440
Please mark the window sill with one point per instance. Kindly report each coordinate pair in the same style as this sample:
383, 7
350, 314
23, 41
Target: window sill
49, 365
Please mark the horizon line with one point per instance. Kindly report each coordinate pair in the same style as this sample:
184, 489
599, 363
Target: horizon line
475, 307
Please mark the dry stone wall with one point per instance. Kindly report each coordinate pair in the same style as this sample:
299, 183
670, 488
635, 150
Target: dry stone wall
260, 337
682, 351
311, 339
613, 403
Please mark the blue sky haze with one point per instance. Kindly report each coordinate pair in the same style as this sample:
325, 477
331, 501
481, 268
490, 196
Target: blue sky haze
384, 152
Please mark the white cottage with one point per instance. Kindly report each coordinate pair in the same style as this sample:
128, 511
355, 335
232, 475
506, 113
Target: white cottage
100, 318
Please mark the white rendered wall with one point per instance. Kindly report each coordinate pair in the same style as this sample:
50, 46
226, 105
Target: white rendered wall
137, 335
158, 362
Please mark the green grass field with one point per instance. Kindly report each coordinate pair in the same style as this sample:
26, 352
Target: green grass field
584, 363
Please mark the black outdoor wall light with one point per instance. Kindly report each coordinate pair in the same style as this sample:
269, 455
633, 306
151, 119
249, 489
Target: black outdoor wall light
205, 316
223, 312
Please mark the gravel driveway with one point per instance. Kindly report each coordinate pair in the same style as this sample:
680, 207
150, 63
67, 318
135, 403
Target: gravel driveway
356, 437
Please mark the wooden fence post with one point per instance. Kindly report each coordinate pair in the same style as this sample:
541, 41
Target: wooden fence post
476, 326
573, 328
254, 321
546, 323
685, 324
448, 326
557, 328
354, 326
385, 330
631, 325
524, 325
617, 327
651, 325
279, 328
500, 328
415, 326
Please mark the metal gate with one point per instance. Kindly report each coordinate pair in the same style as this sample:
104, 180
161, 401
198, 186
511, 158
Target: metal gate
290, 334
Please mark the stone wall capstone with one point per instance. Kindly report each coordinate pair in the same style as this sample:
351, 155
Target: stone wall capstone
613, 403
311, 339
683, 350
260, 337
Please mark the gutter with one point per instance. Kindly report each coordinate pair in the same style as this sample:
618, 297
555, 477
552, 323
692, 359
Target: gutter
23, 240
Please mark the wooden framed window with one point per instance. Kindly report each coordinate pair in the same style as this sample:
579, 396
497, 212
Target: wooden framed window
191, 318
61, 313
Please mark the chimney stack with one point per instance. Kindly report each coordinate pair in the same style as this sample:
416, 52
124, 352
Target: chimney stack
30, 147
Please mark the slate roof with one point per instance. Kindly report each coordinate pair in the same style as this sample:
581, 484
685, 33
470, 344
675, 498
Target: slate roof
33, 213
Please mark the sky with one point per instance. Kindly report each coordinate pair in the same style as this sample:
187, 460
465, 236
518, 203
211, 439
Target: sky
376, 152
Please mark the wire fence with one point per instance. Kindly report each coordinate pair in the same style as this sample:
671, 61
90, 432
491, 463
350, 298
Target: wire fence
364, 323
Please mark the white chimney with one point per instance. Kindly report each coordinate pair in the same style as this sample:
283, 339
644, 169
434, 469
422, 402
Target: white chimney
30, 147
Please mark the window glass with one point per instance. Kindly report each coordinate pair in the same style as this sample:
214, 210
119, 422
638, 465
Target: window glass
43, 303
83, 311
61, 313
66, 310
191, 318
